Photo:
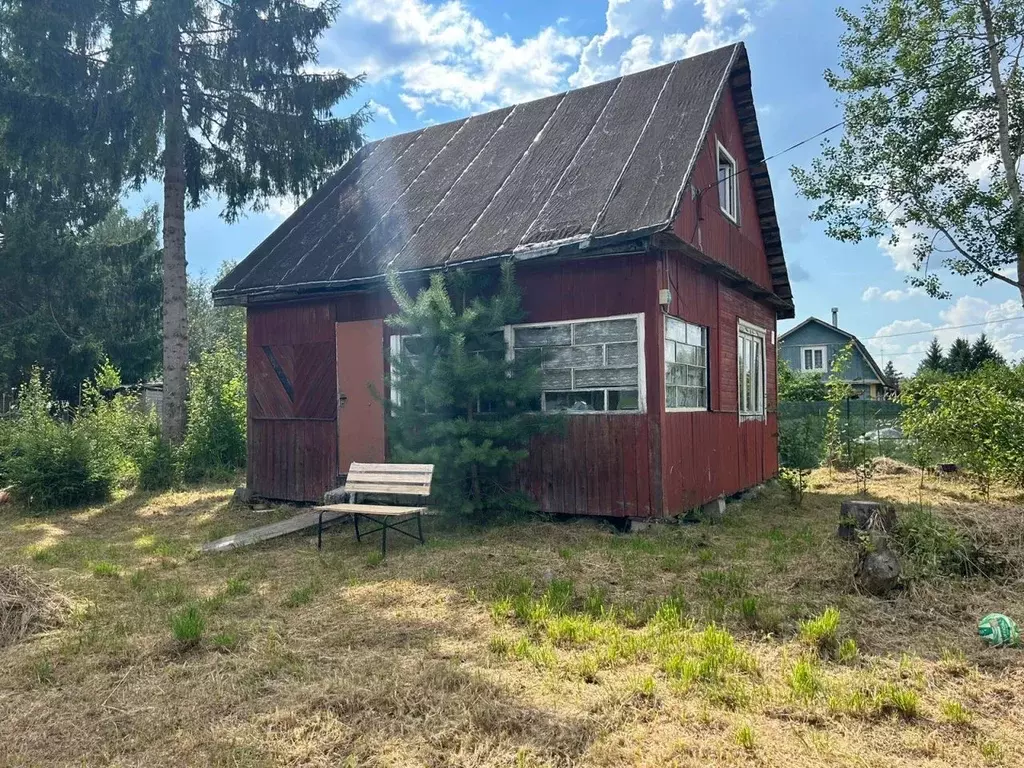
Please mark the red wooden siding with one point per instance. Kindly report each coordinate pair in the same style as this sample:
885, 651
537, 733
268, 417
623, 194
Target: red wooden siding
602, 464
622, 465
292, 401
700, 220
712, 453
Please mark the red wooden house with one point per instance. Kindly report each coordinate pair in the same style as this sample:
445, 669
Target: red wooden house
641, 216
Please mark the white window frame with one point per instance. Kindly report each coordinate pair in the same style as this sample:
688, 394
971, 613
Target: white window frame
823, 348
395, 342
641, 372
732, 187
760, 411
707, 371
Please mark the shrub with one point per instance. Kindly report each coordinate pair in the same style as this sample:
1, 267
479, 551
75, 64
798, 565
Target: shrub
117, 422
158, 466
214, 446
933, 548
52, 461
975, 421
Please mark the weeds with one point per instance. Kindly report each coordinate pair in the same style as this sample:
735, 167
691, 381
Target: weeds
956, 713
822, 633
188, 625
302, 595
893, 699
745, 737
804, 679
236, 587
105, 570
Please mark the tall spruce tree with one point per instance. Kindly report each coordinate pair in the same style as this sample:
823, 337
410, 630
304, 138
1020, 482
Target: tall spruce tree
934, 360
212, 97
959, 359
982, 352
892, 376
457, 400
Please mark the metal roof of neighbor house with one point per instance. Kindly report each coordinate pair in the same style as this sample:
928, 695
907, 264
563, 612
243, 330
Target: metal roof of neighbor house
580, 169
856, 342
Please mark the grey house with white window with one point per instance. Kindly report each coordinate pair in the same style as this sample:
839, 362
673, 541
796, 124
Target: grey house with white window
811, 346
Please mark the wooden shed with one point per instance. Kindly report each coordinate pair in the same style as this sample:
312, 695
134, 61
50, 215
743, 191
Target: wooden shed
641, 216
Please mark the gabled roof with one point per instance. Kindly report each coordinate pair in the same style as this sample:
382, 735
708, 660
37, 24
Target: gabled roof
856, 342
583, 169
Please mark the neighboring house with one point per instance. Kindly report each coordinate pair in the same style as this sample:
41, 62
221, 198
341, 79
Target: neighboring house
660, 285
811, 346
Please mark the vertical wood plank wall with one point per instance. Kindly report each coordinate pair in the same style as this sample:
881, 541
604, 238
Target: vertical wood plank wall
705, 454
621, 465
292, 401
700, 221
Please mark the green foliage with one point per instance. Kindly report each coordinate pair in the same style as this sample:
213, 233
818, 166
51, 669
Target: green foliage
188, 625
210, 327
975, 421
934, 359
931, 548
799, 386
838, 391
71, 299
929, 92
116, 420
959, 359
822, 632
52, 461
159, 468
457, 401
214, 444
804, 678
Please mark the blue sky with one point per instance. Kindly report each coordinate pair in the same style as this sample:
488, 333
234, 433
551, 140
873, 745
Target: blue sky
431, 61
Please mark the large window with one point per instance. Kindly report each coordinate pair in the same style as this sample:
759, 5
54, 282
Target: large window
686, 366
589, 365
814, 359
751, 369
728, 185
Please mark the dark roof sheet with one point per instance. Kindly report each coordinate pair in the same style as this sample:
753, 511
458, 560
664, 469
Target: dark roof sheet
583, 166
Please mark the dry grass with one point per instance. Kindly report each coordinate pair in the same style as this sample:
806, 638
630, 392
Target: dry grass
528, 644
27, 606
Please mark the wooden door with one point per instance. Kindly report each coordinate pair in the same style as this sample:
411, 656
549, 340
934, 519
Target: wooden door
360, 356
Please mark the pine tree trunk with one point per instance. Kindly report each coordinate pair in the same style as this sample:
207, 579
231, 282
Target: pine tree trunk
175, 319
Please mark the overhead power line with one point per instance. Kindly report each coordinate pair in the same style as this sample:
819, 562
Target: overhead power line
896, 94
945, 328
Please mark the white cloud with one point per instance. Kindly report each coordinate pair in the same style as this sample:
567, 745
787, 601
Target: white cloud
440, 53
281, 207
896, 294
380, 109
643, 33
905, 341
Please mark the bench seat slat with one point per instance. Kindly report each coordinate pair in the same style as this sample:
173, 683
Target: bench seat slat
391, 468
371, 509
418, 478
402, 490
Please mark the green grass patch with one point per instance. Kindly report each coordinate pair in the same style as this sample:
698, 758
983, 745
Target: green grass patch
105, 569
188, 625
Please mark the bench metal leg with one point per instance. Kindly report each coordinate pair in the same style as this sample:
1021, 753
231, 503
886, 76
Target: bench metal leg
356, 519
419, 527
320, 531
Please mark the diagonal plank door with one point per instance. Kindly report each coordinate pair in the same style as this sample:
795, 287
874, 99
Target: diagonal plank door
360, 384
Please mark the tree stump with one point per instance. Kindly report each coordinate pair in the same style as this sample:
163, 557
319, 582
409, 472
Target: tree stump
856, 515
878, 568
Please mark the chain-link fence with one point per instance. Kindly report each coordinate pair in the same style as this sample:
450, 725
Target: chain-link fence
867, 428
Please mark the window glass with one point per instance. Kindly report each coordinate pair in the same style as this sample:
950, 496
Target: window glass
686, 366
588, 365
728, 184
751, 368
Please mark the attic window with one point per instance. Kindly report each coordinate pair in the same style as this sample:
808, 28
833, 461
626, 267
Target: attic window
728, 185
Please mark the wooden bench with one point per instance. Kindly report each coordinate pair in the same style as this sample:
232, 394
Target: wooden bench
382, 480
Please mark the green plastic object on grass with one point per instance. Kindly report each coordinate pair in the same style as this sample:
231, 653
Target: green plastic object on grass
999, 630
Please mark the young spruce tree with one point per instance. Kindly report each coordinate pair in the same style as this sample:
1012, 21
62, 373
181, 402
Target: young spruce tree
458, 401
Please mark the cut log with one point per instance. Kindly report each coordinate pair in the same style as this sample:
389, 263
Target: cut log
857, 515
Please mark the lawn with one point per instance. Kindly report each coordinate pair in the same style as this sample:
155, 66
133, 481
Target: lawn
530, 643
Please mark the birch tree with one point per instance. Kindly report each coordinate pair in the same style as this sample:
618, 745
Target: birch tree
932, 98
